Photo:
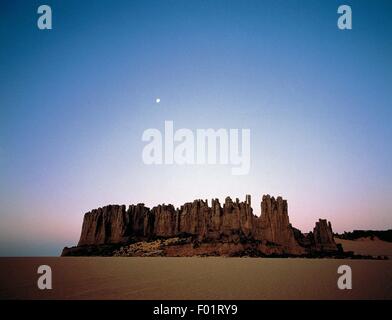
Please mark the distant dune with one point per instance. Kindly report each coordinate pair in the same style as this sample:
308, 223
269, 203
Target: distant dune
367, 246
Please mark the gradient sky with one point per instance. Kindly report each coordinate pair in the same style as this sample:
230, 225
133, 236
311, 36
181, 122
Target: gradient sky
75, 100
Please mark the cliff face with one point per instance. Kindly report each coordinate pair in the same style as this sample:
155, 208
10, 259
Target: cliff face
234, 222
114, 224
274, 224
323, 236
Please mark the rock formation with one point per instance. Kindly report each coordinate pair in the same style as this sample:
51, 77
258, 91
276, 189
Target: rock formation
207, 228
274, 224
323, 236
114, 224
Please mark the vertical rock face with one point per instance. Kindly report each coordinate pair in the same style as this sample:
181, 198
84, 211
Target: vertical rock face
114, 224
323, 236
234, 222
275, 226
165, 222
104, 225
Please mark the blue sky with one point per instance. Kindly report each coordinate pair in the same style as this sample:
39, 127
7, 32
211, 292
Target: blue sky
75, 100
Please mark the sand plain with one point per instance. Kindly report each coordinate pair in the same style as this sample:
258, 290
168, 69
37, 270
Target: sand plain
193, 278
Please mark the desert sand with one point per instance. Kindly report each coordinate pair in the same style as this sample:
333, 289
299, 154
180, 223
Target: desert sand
193, 278
366, 246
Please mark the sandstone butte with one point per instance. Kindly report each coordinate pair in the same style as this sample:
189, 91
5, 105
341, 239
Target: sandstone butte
229, 230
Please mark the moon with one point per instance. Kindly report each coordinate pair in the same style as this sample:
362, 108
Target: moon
157, 100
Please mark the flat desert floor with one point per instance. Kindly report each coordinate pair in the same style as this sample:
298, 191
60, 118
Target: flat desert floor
194, 278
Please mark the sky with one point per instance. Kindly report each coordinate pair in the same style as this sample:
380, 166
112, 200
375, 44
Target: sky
75, 101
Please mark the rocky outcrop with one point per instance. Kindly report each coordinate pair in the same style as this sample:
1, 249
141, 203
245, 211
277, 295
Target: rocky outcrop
114, 224
323, 236
274, 225
233, 223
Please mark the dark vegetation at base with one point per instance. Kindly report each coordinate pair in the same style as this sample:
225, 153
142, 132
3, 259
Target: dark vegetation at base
109, 250
385, 235
105, 250
254, 253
